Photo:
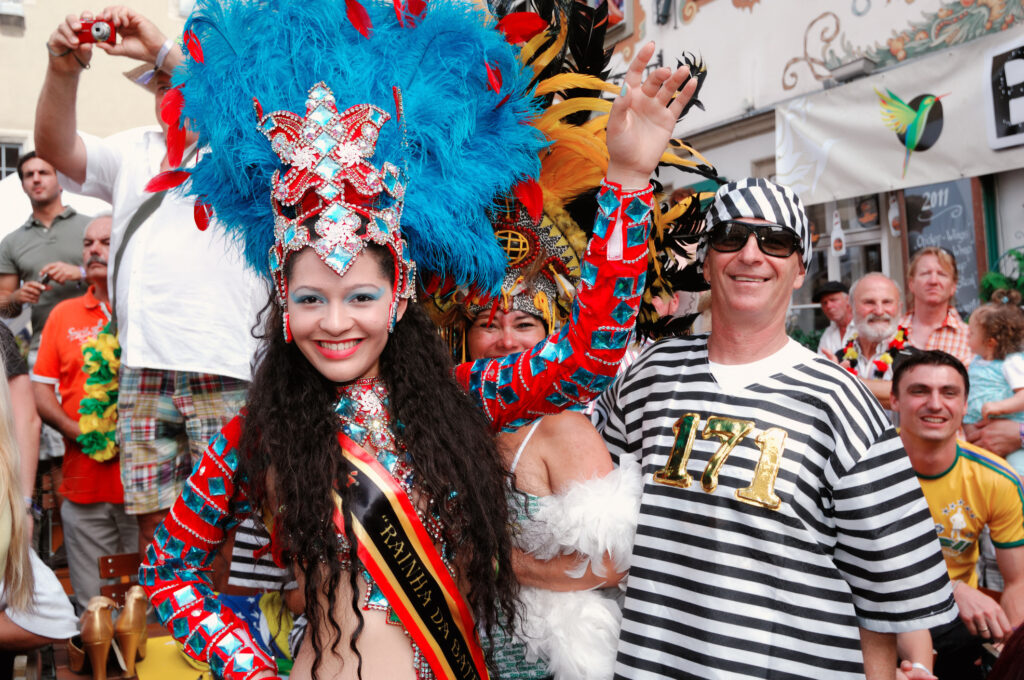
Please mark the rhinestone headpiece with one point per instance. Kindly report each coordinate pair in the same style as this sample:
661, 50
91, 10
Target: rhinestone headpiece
331, 187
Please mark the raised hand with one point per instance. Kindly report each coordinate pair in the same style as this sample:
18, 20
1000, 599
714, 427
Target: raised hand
67, 54
643, 118
138, 37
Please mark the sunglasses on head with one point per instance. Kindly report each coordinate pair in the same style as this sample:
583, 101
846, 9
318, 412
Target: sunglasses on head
773, 239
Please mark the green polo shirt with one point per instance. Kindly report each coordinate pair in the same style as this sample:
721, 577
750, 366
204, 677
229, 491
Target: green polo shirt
32, 246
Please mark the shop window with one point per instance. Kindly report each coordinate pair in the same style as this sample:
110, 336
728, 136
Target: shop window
9, 154
863, 249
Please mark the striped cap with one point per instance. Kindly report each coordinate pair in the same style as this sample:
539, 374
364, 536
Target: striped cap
757, 197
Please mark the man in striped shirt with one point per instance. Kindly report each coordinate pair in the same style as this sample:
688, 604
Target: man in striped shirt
782, 532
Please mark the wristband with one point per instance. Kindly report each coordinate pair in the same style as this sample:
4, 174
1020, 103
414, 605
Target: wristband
918, 664
1020, 431
162, 54
81, 272
28, 501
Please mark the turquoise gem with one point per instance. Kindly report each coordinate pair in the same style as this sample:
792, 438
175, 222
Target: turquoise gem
321, 115
184, 596
622, 312
196, 643
216, 486
607, 201
637, 210
212, 625
327, 168
588, 272
229, 644
324, 143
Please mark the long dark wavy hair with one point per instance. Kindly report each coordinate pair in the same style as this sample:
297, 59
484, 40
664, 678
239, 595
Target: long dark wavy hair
291, 429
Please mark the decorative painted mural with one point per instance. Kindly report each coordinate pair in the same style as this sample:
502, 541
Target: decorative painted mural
955, 22
689, 8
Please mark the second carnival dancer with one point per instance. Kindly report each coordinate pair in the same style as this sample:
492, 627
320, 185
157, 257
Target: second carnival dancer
575, 512
375, 473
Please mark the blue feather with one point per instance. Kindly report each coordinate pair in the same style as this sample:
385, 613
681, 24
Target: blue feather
458, 147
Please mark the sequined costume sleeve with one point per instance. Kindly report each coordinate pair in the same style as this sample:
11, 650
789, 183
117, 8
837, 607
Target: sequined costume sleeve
176, 572
575, 365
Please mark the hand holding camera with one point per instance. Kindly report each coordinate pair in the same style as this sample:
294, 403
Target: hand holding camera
118, 31
96, 31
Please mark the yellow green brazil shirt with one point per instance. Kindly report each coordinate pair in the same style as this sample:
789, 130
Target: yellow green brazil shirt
979, 488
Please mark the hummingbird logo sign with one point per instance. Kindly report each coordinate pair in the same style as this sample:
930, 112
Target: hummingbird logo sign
917, 124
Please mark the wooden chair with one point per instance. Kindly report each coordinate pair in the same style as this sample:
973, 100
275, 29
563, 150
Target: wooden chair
123, 567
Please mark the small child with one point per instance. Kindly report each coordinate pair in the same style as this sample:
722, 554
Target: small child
997, 372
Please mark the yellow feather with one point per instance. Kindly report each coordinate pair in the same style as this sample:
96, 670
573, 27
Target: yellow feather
682, 146
672, 159
574, 105
540, 62
567, 81
596, 124
677, 210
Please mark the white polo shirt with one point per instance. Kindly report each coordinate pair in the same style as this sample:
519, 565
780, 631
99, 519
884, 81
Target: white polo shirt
185, 300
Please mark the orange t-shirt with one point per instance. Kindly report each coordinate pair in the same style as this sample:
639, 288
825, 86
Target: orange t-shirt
70, 324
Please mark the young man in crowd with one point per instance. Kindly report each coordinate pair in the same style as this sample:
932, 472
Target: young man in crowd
967, 489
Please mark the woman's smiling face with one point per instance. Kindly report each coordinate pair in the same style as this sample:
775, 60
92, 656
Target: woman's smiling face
340, 323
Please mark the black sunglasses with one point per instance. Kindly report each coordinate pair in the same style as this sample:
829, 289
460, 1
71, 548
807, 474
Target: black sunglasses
773, 239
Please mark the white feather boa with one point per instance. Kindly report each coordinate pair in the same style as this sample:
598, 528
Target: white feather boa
576, 632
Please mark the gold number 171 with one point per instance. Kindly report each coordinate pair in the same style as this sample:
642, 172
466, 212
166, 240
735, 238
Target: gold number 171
730, 431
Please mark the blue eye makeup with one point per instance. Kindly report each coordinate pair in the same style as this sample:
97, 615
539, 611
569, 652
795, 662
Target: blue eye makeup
304, 297
366, 295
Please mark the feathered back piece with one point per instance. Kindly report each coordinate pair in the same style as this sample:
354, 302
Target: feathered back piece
545, 225
440, 129
671, 265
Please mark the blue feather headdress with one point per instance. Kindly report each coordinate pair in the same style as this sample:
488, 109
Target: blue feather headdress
458, 100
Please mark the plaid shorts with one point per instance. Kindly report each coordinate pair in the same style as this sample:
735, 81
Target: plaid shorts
165, 420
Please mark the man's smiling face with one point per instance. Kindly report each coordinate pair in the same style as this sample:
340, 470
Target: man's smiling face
750, 284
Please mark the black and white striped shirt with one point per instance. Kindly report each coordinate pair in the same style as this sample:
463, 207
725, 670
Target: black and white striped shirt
813, 525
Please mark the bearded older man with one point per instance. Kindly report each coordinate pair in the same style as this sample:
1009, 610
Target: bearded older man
876, 315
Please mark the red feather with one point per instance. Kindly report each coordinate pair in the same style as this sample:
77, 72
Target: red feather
398, 12
202, 214
398, 102
167, 180
503, 100
193, 46
417, 8
359, 17
259, 108
529, 193
494, 77
521, 26
175, 145
171, 105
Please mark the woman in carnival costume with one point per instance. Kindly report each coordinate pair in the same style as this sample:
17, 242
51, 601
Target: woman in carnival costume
381, 132
574, 511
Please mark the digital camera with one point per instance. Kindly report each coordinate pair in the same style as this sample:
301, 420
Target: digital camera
96, 31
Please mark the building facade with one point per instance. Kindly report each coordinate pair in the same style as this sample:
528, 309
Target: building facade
808, 92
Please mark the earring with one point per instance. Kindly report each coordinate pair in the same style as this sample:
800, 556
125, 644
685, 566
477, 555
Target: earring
392, 314
287, 328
